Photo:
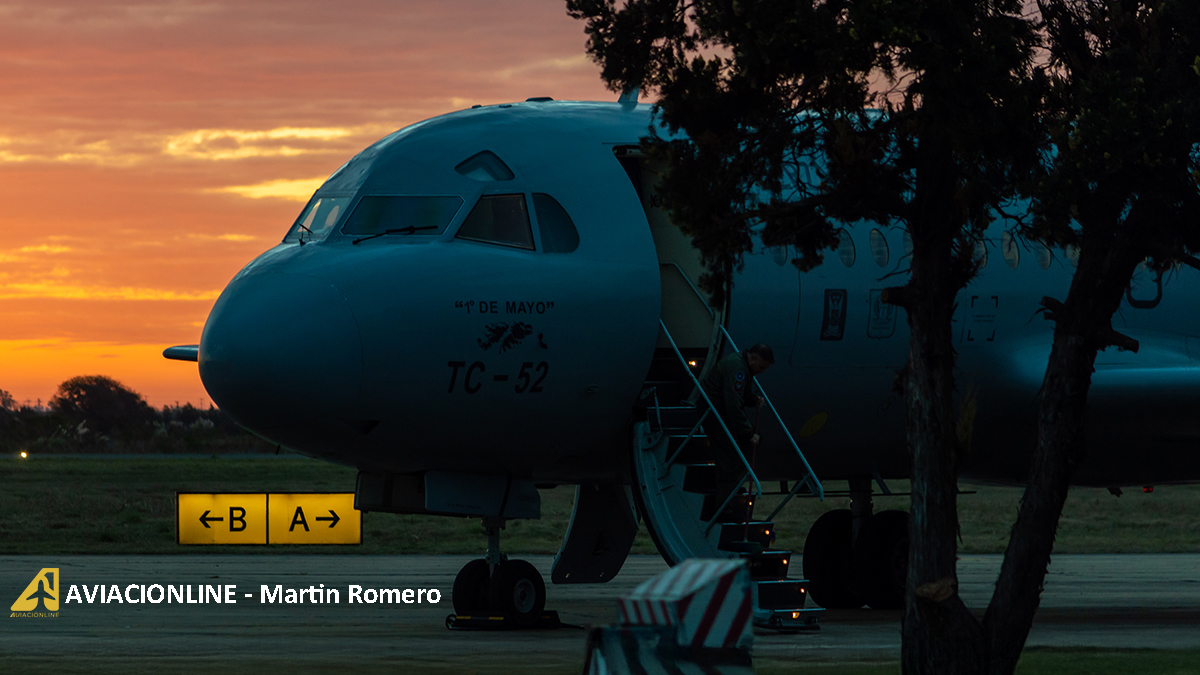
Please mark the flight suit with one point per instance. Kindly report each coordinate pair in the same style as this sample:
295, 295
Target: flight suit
729, 386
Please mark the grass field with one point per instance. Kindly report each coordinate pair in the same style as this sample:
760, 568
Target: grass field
73, 505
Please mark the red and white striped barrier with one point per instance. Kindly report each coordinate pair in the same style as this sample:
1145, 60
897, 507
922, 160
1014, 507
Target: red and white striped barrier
693, 618
708, 601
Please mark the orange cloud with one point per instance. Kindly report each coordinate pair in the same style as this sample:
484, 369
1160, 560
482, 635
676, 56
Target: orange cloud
148, 151
294, 190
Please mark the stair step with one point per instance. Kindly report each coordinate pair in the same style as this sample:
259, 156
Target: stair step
782, 593
759, 532
736, 510
700, 478
666, 366
789, 620
768, 565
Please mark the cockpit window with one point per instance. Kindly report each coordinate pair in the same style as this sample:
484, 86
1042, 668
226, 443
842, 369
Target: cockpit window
317, 219
484, 166
499, 219
558, 232
379, 214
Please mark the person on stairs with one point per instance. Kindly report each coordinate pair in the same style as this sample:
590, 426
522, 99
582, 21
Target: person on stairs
730, 387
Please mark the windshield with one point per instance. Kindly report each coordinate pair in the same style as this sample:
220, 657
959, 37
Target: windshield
317, 219
380, 214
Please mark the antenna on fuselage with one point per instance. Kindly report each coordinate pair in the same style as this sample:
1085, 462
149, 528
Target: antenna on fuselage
629, 97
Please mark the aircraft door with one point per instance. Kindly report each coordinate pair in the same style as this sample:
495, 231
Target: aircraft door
687, 310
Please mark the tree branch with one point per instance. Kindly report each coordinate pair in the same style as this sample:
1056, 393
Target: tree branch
900, 296
1105, 337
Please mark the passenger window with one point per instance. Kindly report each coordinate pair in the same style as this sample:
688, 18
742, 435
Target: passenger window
376, 214
1043, 255
484, 166
1008, 247
879, 248
981, 253
499, 219
558, 232
846, 248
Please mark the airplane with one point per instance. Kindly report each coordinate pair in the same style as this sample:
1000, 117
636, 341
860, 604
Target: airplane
493, 301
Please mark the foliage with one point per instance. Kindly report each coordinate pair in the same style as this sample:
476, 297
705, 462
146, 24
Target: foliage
1121, 183
1124, 113
103, 406
1101, 140
101, 415
775, 100
758, 86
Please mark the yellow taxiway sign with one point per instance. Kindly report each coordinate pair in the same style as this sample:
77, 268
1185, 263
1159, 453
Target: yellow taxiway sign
262, 518
220, 518
314, 519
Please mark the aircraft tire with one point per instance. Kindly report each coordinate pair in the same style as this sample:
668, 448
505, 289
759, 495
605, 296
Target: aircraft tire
518, 592
470, 592
827, 557
880, 560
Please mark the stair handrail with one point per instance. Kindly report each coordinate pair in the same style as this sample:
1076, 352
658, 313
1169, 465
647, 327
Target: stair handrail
810, 479
707, 400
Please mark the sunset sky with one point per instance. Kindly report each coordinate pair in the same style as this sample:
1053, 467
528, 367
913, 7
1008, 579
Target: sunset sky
149, 150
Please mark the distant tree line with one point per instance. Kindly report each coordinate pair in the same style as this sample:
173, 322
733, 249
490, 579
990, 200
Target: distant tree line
97, 414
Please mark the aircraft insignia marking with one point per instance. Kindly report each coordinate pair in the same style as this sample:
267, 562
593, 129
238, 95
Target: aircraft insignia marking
508, 336
529, 378
510, 306
833, 322
882, 320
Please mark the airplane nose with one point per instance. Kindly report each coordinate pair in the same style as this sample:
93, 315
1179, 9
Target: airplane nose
279, 352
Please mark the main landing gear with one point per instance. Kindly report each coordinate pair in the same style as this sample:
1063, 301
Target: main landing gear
494, 586
854, 557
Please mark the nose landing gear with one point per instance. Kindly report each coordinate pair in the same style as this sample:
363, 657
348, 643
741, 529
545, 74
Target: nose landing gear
498, 588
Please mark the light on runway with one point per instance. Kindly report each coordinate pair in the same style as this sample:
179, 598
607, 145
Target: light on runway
24, 455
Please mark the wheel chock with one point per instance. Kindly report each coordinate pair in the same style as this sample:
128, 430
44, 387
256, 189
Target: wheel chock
548, 621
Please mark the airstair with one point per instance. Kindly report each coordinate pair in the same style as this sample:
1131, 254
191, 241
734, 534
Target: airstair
677, 493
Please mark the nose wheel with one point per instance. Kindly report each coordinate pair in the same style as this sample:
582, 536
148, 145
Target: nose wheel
517, 591
470, 594
496, 586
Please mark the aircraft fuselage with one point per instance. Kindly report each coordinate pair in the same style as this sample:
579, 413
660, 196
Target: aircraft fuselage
426, 350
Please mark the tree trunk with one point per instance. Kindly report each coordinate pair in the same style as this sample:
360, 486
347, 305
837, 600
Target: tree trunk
939, 635
1094, 296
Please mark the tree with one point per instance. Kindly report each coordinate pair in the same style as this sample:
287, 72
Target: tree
1121, 184
7, 402
107, 406
760, 86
